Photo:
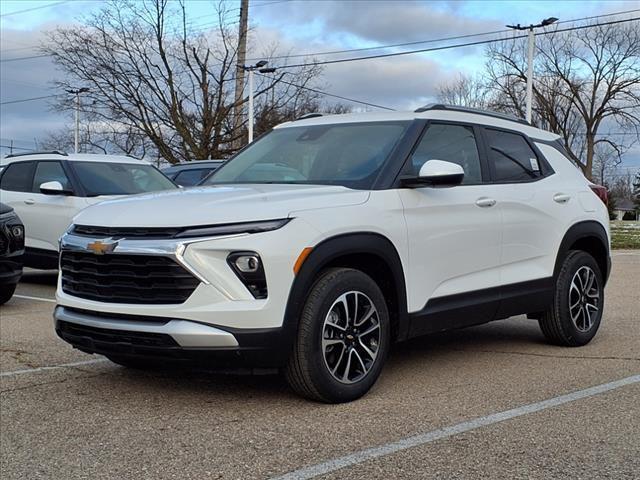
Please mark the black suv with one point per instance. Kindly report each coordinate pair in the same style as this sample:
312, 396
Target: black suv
11, 251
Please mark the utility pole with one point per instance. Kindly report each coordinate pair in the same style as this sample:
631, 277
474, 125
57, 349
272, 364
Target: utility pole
241, 57
531, 38
77, 92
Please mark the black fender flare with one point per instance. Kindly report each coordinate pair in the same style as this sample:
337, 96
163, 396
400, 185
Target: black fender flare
332, 248
578, 231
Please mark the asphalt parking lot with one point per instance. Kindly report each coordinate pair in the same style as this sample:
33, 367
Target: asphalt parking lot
492, 401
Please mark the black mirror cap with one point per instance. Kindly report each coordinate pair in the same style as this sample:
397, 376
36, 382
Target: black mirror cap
436, 181
46, 191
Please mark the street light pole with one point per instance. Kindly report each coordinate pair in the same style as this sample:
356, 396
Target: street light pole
530, 53
531, 38
250, 105
260, 66
77, 93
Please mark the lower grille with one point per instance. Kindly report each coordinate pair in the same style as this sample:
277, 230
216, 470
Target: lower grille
102, 339
115, 278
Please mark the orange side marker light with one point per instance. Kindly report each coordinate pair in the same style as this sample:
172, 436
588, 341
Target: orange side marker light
301, 258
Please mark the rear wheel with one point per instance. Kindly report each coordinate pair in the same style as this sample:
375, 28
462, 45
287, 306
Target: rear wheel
575, 315
343, 338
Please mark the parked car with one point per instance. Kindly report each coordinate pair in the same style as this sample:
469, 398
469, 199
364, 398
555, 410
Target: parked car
332, 237
47, 189
192, 173
11, 250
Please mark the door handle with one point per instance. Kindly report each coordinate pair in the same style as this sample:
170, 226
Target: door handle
561, 197
29, 201
485, 202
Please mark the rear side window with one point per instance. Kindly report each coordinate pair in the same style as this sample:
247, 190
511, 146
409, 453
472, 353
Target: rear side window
511, 157
50, 172
17, 177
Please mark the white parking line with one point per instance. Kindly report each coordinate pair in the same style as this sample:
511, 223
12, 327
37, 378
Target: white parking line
41, 299
53, 367
432, 436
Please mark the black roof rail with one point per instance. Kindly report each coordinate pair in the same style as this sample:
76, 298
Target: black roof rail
310, 115
43, 152
477, 111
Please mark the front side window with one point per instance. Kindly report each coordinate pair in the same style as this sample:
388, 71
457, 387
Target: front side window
17, 177
451, 143
350, 155
105, 178
512, 158
49, 172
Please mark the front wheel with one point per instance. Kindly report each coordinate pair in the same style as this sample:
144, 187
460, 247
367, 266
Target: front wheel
343, 338
6, 292
575, 315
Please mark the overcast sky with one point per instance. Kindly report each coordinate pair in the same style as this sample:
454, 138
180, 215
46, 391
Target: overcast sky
297, 26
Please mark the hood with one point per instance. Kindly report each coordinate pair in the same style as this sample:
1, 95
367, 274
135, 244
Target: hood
217, 204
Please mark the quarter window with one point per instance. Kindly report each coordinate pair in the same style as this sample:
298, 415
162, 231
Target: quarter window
50, 172
512, 158
17, 177
451, 143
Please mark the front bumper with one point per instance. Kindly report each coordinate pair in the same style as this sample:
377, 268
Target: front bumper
169, 339
10, 269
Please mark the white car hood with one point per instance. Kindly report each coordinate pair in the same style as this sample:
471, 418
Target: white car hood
216, 205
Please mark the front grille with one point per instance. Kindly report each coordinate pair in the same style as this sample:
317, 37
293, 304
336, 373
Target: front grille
116, 278
4, 243
125, 232
107, 339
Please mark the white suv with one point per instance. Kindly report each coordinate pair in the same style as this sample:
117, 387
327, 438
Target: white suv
332, 237
47, 189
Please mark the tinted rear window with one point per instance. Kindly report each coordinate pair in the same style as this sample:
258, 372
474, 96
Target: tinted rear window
512, 158
17, 177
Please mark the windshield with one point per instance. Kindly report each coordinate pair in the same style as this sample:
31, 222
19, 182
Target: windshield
350, 155
103, 178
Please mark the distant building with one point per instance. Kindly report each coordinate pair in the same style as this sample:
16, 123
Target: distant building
623, 207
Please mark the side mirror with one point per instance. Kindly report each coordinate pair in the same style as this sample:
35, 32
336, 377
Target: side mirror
54, 188
436, 173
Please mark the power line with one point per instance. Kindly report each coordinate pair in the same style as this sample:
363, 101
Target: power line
26, 10
458, 37
333, 95
447, 47
29, 99
17, 59
383, 47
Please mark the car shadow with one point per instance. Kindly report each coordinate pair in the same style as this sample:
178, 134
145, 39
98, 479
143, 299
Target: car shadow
40, 277
516, 334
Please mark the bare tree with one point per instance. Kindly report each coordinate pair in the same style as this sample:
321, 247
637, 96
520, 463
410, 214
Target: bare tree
466, 91
605, 161
102, 137
587, 82
150, 72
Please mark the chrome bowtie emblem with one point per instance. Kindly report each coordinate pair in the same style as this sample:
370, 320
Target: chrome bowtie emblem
100, 248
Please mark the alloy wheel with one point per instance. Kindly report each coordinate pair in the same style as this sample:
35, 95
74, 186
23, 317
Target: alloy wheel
584, 299
351, 337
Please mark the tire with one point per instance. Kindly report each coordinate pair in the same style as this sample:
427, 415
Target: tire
320, 357
576, 313
6, 292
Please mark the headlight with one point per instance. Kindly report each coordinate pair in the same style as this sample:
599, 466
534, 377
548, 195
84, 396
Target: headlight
234, 228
